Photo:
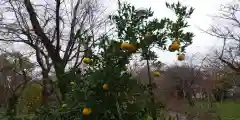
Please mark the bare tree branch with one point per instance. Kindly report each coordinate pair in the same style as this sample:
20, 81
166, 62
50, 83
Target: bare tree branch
39, 31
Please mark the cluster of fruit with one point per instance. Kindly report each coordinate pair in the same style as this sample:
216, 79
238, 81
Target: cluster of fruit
174, 47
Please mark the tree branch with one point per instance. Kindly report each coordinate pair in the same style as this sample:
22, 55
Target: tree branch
72, 36
39, 31
58, 3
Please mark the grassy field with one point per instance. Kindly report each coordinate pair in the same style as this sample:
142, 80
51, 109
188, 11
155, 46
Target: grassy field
226, 110
1, 113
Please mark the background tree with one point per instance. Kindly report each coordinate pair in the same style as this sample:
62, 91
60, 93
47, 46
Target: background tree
44, 29
227, 30
222, 76
16, 69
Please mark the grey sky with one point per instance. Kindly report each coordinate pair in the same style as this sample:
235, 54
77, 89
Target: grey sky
202, 42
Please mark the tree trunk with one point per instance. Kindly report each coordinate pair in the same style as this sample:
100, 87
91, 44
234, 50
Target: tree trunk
210, 100
47, 87
63, 80
153, 108
190, 99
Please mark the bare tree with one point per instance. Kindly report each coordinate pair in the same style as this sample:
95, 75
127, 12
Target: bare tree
186, 77
228, 32
58, 34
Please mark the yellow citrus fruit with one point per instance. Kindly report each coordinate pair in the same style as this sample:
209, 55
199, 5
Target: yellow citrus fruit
86, 111
174, 46
125, 46
64, 105
150, 118
86, 60
181, 57
156, 74
105, 86
72, 83
170, 48
129, 47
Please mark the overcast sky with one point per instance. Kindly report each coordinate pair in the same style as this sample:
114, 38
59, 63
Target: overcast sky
202, 42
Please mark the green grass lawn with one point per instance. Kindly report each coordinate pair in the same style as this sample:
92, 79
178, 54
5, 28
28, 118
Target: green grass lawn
226, 110
1, 113
229, 110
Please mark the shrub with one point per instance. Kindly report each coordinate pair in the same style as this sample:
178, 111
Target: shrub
30, 98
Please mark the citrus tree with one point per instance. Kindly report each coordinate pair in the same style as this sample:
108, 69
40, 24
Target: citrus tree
106, 90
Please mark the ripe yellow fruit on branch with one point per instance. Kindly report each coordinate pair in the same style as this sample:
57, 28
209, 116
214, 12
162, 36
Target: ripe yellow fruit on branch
181, 57
87, 111
156, 74
174, 46
170, 48
105, 86
86, 60
72, 83
150, 118
127, 46
64, 105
